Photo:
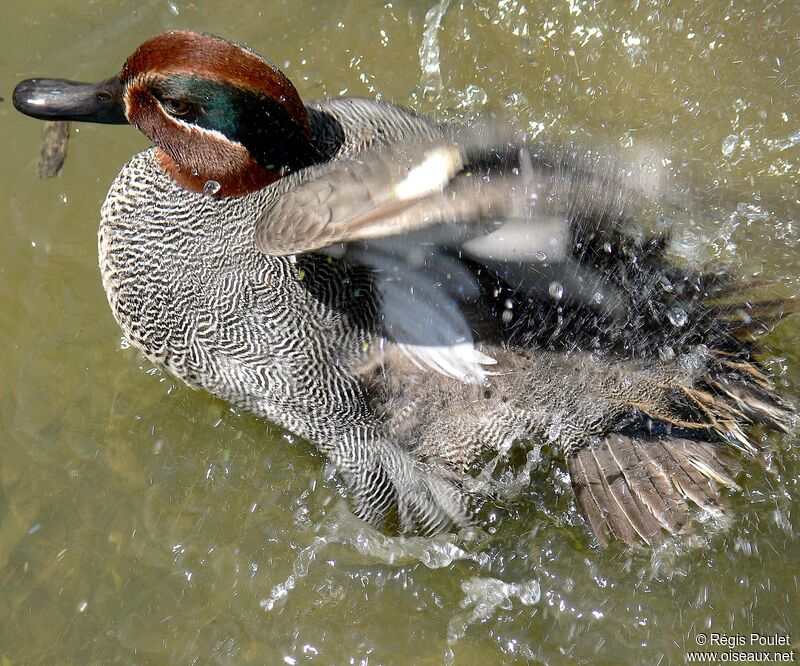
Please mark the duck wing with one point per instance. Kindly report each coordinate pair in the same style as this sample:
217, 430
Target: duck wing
428, 215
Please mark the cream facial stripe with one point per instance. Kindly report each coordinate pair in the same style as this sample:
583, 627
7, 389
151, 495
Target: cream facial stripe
141, 82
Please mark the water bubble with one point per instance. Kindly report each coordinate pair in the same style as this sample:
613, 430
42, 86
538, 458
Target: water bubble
677, 316
541, 256
556, 290
211, 188
729, 144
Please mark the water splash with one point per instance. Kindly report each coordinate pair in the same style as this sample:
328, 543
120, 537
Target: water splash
344, 528
486, 595
513, 483
429, 57
729, 144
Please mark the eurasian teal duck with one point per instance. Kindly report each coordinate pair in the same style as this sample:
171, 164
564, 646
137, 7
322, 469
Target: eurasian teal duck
416, 299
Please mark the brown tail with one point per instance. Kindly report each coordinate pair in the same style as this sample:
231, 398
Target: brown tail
636, 485
637, 489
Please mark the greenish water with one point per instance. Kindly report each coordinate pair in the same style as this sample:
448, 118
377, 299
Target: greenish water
142, 522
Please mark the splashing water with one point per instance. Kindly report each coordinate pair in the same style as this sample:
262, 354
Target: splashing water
486, 595
429, 58
729, 144
344, 528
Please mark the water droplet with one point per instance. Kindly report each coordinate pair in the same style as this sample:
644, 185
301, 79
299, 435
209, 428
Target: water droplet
529, 592
211, 188
556, 290
541, 256
557, 423
666, 353
729, 144
63, 197
507, 316
666, 285
694, 360
677, 316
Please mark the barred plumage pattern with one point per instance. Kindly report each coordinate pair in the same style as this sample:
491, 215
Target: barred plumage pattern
292, 340
278, 337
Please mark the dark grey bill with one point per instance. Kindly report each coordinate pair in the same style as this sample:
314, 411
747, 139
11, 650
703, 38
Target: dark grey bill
56, 99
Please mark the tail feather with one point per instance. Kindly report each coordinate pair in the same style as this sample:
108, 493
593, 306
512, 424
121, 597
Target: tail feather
753, 328
743, 310
628, 505
589, 494
689, 479
637, 489
756, 403
744, 368
654, 490
727, 399
614, 515
752, 319
713, 463
675, 517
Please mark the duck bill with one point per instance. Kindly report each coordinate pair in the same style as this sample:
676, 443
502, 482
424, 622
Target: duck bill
56, 99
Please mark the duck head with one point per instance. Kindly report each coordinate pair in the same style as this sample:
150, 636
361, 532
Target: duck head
215, 110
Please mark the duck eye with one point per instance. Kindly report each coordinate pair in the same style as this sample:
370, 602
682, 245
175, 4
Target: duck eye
176, 107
